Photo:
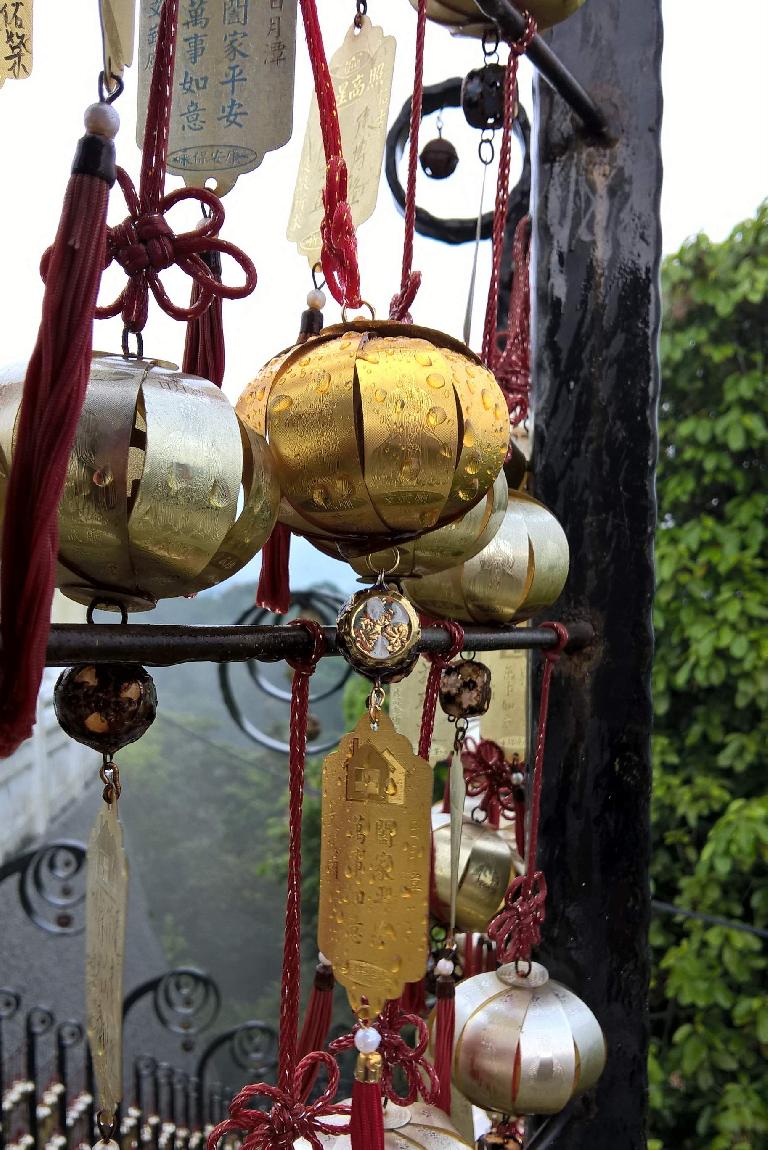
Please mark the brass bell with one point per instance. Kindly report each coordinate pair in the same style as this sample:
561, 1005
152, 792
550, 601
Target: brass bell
438, 550
405, 1127
522, 570
464, 15
380, 431
150, 503
524, 1045
487, 865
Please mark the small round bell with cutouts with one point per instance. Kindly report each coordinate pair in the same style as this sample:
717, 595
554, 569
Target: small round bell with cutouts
167, 491
380, 431
523, 1043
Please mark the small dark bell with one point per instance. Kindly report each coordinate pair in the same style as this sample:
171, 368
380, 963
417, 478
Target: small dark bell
482, 96
465, 689
105, 706
439, 159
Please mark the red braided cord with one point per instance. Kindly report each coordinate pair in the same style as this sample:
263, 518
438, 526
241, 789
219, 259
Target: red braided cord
398, 1055
516, 928
513, 368
437, 663
410, 281
204, 352
54, 390
145, 244
339, 241
290, 991
516, 50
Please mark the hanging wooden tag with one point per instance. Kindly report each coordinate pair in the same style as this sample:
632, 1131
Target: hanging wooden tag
232, 85
374, 863
362, 71
118, 19
15, 40
506, 722
406, 703
105, 910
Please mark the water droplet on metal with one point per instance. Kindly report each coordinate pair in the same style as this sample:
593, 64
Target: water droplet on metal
280, 404
103, 477
423, 359
436, 380
436, 416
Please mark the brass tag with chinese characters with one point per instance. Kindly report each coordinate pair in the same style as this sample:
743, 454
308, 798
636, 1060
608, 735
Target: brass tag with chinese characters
406, 704
374, 863
105, 908
362, 70
232, 85
506, 720
15, 40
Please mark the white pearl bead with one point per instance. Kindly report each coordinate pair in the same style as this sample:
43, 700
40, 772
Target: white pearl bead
518, 779
444, 967
367, 1040
316, 299
323, 960
102, 120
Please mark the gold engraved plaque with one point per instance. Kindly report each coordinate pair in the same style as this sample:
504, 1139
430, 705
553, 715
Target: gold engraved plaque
232, 85
374, 863
361, 70
506, 720
118, 18
15, 40
406, 703
105, 904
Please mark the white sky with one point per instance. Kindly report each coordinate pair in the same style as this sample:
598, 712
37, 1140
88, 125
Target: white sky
714, 148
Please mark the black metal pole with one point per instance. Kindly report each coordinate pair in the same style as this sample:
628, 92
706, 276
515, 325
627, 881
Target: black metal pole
164, 646
549, 66
597, 251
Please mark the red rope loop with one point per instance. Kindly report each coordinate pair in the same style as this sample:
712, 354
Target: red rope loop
488, 775
306, 664
516, 928
337, 231
396, 1053
513, 366
288, 1118
438, 662
516, 50
145, 244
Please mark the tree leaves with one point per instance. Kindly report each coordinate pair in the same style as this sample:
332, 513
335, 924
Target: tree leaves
708, 1070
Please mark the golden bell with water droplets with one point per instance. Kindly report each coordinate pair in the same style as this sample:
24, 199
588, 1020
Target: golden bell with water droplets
380, 431
521, 571
405, 1127
524, 1045
150, 503
465, 16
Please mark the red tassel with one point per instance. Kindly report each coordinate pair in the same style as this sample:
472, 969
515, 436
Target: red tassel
366, 1124
54, 390
204, 344
317, 1022
446, 1017
468, 965
274, 590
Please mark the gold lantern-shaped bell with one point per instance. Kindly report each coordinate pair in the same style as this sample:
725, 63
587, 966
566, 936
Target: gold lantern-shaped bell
380, 431
465, 16
524, 1045
487, 865
522, 570
446, 547
150, 504
405, 1127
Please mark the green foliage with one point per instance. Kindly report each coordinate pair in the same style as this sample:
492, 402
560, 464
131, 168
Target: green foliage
709, 1072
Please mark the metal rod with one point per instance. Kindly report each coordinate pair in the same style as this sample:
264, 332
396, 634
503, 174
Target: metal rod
164, 646
512, 25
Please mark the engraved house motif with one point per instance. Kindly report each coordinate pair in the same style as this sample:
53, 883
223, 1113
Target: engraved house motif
374, 776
